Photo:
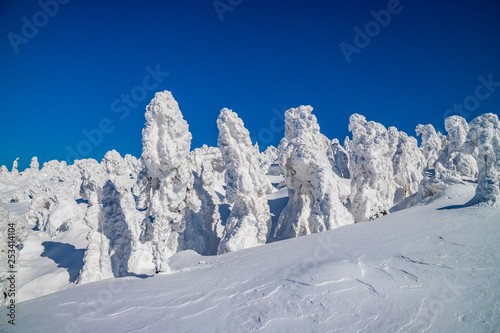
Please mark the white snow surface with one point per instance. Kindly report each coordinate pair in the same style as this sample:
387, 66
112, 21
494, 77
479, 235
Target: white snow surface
432, 268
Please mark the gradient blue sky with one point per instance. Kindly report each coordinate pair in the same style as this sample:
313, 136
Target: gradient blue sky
263, 56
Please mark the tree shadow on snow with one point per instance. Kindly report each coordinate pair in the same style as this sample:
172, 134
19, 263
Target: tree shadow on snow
65, 256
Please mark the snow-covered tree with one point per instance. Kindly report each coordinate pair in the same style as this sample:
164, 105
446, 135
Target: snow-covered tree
432, 143
198, 156
408, 163
14, 165
109, 247
97, 262
341, 159
315, 191
122, 173
452, 156
370, 165
34, 165
200, 234
268, 157
166, 183
249, 222
42, 205
484, 135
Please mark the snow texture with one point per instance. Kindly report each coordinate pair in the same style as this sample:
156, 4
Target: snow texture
249, 222
315, 191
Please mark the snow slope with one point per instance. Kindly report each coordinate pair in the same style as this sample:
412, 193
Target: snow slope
432, 268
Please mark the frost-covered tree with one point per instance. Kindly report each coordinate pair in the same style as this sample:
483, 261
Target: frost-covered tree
268, 157
432, 143
341, 159
484, 135
408, 163
97, 262
109, 248
14, 165
40, 209
453, 156
370, 163
249, 222
200, 234
122, 173
166, 183
198, 156
315, 191
34, 165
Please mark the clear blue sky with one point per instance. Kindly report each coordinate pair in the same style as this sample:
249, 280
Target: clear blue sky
70, 76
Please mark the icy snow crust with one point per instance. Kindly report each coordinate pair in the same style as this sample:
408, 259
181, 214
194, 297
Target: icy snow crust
95, 236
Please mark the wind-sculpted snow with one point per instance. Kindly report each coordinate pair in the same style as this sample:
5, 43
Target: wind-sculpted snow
249, 222
315, 191
484, 135
166, 183
371, 167
432, 143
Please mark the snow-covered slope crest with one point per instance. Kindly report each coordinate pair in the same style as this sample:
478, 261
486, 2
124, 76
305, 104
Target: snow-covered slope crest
435, 270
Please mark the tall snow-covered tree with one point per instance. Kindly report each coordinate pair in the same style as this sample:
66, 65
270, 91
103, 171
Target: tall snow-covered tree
122, 173
34, 165
109, 246
249, 222
315, 191
97, 262
453, 156
14, 166
370, 164
408, 163
432, 143
166, 182
484, 135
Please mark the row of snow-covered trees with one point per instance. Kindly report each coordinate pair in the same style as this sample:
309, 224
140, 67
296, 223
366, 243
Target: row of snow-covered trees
145, 210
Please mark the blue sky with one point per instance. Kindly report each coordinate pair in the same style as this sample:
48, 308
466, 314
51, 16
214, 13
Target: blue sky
64, 85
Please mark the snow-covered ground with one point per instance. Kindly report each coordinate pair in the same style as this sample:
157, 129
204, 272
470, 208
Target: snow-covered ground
431, 268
